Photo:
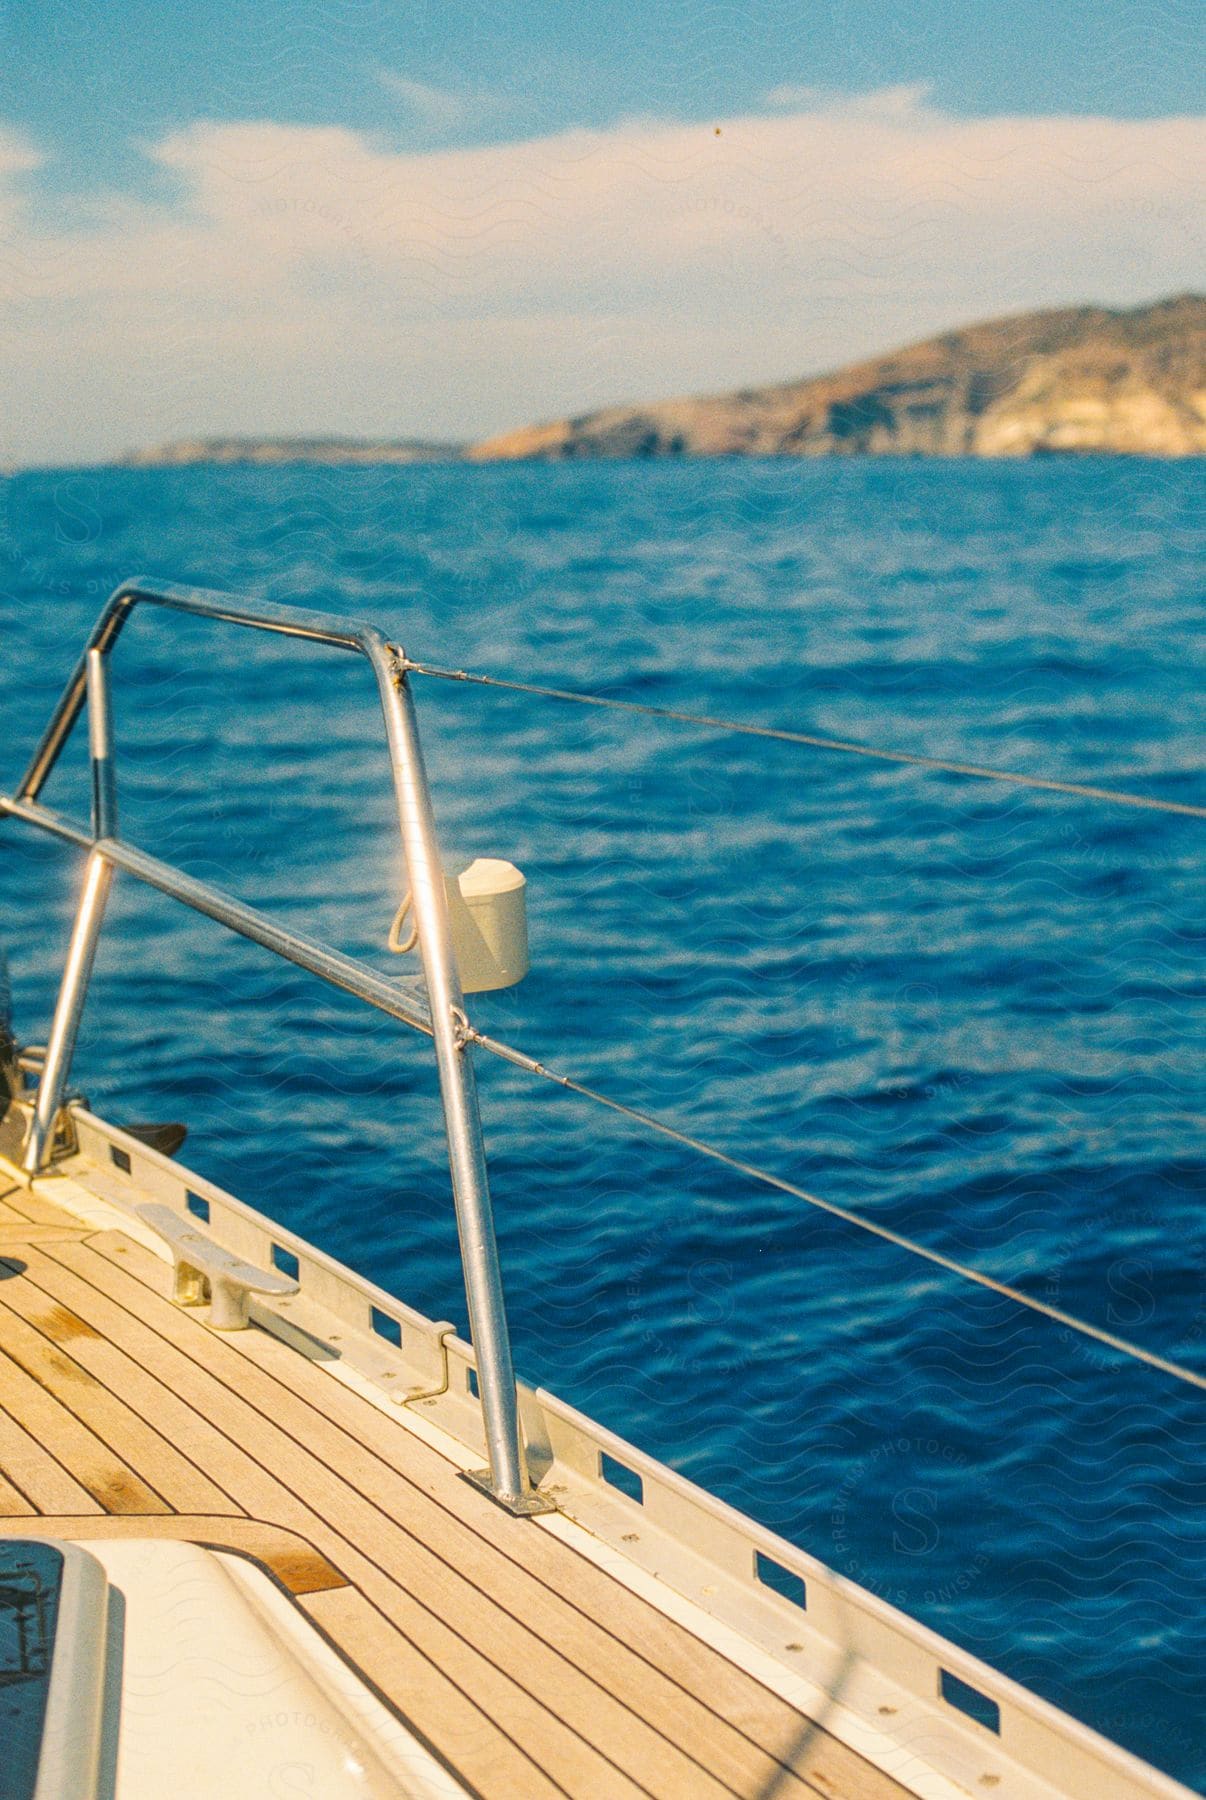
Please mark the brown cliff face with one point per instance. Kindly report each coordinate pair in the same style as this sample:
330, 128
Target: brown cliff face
1082, 379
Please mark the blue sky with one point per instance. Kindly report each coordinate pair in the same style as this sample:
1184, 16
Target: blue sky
90, 77
377, 178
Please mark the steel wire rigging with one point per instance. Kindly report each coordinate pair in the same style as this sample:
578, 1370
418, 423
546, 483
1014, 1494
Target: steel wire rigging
663, 1128
740, 728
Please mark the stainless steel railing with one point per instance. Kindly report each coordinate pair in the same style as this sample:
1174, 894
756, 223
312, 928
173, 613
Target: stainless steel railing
437, 1008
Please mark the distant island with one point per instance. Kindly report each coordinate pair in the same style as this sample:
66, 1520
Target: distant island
1077, 380
326, 450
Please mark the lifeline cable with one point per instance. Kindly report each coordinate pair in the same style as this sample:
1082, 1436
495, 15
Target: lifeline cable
1122, 1345
977, 771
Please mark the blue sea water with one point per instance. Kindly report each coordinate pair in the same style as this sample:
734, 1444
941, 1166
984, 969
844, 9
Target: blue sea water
972, 1013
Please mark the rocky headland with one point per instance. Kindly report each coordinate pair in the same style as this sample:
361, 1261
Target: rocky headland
1078, 380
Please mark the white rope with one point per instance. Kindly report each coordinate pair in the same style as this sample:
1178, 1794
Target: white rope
395, 941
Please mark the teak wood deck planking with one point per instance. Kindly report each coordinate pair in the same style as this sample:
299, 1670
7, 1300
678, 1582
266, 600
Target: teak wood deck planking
523, 1665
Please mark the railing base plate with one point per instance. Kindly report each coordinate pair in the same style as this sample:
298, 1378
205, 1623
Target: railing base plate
523, 1506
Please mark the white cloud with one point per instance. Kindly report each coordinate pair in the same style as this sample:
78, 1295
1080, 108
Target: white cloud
16, 154
438, 109
17, 158
309, 279
903, 99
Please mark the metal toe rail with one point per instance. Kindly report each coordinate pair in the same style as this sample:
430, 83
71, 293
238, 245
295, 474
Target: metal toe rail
439, 1011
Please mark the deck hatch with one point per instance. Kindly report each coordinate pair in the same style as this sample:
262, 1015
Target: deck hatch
30, 1575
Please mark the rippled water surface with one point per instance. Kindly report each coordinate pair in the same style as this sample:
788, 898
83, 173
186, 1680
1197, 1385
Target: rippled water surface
972, 1013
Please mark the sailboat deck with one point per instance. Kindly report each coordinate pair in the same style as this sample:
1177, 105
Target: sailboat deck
528, 1668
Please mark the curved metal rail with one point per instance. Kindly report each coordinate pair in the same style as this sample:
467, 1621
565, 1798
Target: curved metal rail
439, 1013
